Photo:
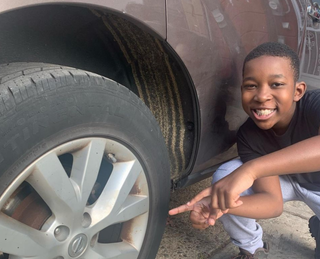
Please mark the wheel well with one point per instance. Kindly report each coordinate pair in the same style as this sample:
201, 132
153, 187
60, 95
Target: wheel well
107, 44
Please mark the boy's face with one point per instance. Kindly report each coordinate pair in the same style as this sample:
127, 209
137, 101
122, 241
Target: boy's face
269, 93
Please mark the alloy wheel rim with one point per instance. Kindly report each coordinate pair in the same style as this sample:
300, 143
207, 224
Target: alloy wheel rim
103, 186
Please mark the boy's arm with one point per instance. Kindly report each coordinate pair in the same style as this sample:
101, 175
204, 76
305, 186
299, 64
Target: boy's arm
266, 202
301, 157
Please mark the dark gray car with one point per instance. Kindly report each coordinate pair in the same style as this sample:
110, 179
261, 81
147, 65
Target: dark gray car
106, 106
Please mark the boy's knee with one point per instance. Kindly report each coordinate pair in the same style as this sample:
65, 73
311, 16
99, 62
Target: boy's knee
226, 169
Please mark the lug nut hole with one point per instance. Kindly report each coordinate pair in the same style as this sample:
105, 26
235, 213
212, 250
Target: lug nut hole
61, 233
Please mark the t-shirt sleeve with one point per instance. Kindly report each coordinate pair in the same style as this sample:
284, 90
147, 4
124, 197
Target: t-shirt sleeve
245, 150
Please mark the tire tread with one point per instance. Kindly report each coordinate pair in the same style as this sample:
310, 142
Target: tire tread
21, 81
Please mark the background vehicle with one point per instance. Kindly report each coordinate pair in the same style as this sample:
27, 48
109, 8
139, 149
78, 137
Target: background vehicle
105, 103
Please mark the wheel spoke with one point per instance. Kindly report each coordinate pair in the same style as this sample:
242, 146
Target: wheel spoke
121, 250
86, 167
20, 240
50, 180
133, 207
116, 191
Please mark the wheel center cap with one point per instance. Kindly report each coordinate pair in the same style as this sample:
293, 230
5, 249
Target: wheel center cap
77, 245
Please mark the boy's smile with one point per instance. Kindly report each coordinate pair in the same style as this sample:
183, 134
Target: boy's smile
269, 93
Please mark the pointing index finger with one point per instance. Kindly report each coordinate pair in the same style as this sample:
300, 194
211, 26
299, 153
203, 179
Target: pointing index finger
180, 209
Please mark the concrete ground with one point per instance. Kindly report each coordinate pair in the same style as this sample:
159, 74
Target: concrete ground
288, 235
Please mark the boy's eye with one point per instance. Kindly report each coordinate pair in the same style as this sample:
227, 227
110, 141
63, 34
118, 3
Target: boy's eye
276, 84
249, 86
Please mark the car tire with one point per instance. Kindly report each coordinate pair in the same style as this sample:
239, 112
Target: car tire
84, 168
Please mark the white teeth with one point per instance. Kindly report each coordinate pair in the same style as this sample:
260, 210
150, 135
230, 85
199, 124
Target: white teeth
264, 112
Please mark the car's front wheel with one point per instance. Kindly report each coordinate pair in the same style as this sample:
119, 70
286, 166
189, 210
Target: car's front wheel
83, 167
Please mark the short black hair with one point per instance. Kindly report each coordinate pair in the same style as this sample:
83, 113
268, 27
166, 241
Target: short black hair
275, 49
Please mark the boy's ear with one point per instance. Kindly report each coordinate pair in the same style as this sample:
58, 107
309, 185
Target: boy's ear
301, 88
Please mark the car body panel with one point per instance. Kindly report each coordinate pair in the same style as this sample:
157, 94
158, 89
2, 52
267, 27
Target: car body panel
150, 13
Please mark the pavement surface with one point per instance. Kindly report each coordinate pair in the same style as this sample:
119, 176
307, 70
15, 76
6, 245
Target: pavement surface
288, 235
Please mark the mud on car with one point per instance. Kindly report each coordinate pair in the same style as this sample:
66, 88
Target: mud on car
107, 106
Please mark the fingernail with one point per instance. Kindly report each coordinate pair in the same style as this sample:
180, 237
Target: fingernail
212, 222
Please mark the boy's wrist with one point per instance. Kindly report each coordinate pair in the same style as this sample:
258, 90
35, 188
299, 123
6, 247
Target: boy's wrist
253, 169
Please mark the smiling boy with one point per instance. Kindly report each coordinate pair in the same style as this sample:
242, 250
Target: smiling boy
280, 138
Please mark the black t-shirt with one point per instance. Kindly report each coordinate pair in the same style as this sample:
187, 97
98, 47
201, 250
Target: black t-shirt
254, 142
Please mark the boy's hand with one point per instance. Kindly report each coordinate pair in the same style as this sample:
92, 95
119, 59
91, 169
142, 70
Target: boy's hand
199, 214
225, 194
